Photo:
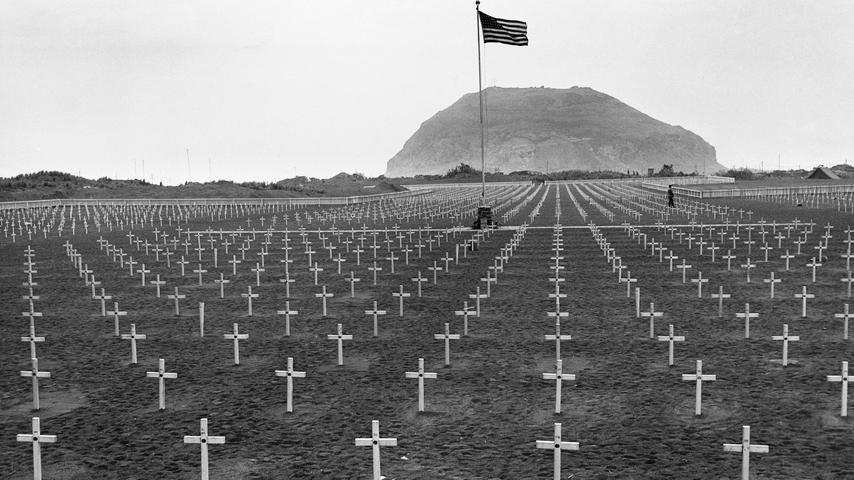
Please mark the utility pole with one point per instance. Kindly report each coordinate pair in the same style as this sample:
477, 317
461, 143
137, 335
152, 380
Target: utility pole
189, 176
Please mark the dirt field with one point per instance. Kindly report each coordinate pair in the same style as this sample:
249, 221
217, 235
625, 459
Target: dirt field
631, 412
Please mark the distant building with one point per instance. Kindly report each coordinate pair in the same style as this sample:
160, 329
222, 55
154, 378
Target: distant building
823, 173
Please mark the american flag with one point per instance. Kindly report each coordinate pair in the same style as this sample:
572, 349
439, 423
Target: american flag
498, 30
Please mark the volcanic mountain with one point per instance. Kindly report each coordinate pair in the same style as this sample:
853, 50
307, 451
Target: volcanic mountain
547, 130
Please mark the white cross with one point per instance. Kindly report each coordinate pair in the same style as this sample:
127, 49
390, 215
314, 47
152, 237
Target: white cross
161, 374
844, 379
746, 315
721, 296
804, 296
435, 269
418, 281
203, 439
559, 378
249, 296
557, 337
200, 271
772, 281
699, 281
375, 312
290, 374
32, 338
813, 265
684, 267
103, 298
848, 280
745, 448
176, 297
133, 337
477, 296
222, 281
234, 261
786, 338
323, 296
729, 258
316, 270
447, 337
236, 337
699, 378
287, 312
142, 271
845, 316
420, 375
787, 257
116, 313
400, 294
374, 271
557, 445
670, 338
340, 337
157, 283
376, 442
36, 438
36, 375
651, 314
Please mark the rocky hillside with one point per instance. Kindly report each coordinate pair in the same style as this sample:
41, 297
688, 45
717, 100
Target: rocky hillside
547, 129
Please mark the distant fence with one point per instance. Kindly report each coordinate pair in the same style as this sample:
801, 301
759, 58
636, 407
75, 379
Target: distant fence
650, 182
790, 190
287, 202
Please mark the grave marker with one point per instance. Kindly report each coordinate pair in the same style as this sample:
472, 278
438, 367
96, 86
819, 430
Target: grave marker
746, 315
236, 337
204, 440
804, 296
290, 374
699, 378
721, 296
420, 375
557, 445
176, 297
249, 296
340, 337
376, 442
651, 314
161, 374
559, 378
323, 296
36, 375
745, 448
36, 438
786, 338
133, 337
375, 312
772, 281
670, 338
845, 316
116, 313
287, 312
447, 337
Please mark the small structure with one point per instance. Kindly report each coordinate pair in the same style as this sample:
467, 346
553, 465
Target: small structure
484, 218
822, 173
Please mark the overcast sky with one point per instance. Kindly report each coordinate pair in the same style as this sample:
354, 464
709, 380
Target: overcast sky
263, 90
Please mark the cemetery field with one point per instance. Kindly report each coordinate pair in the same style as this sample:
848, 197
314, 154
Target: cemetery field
608, 249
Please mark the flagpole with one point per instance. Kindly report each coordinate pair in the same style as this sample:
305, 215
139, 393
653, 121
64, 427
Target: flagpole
480, 95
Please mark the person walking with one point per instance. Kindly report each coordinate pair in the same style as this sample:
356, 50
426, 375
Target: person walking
670, 196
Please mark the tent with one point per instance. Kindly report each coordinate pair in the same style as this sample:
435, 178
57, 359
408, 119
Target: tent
823, 173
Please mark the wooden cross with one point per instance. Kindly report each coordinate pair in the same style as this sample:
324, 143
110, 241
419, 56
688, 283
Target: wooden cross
391, 258
435, 269
36, 438
844, 379
786, 338
729, 257
376, 442
236, 337
204, 440
257, 270
684, 267
629, 281
804, 296
161, 374
116, 313
848, 281
670, 338
234, 261
133, 337
420, 375
558, 337
720, 296
340, 337
375, 312
352, 280
400, 294
670, 257
557, 445
845, 316
222, 281
142, 271
249, 296
465, 313
287, 312
699, 281
772, 281
418, 281
290, 374
315, 269
745, 448
813, 265
32, 338
651, 314
103, 298
36, 375
787, 257
287, 281
746, 315
489, 281
447, 337
374, 269
176, 297
748, 266
713, 249
699, 378
477, 296
183, 264
157, 283
339, 261
323, 296
559, 378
